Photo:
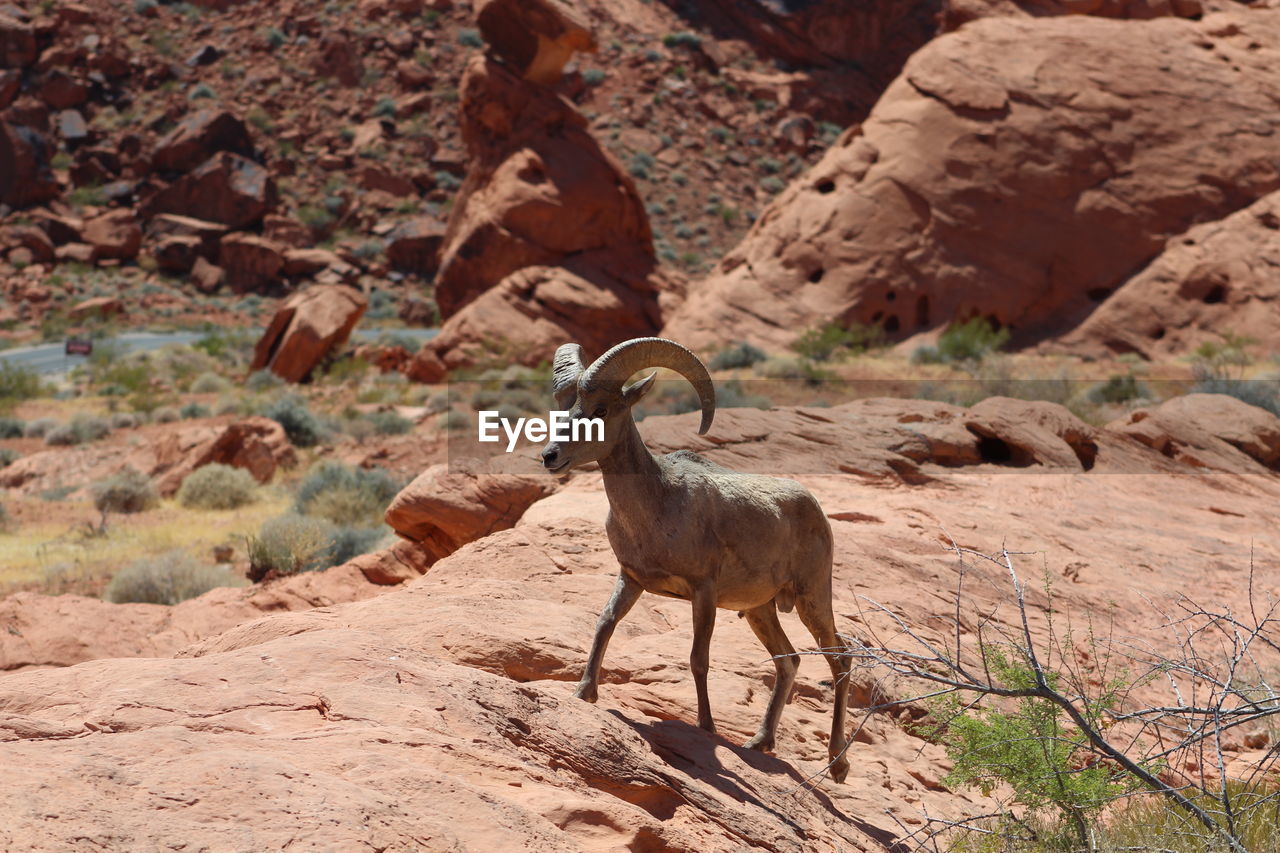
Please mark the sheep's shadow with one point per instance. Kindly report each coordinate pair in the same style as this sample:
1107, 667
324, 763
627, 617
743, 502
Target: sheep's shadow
692, 751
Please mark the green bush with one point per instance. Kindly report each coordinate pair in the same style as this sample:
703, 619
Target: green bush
737, 355
166, 415
81, 429
303, 428
8, 456
1031, 746
390, 423
833, 341
129, 491
801, 369
124, 420
353, 497
351, 542
262, 380
210, 383
454, 421
681, 39
1118, 389
290, 544
11, 428
593, 76
1265, 394
39, 428
971, 341
470, 38
168, 579
218, 486
17, 383
194, 410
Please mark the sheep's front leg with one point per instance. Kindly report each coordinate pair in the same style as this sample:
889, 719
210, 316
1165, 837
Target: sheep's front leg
704, 622
625, 594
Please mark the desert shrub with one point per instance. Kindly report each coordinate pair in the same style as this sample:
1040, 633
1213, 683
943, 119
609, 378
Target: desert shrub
455, 421
79, 430
593, 76
217, 486
290, 544
351, 542
470, 38
262, 380
682, 39
1117, 389
129, 491
796, 369
11, 428
1263, 393
8, 456
210, 383
970, 341
833, 341
346, 496
194, 410
303, 428
732, 395
167, 579
390, 423
228, 405
39, 428
124, 420
740, 354
166, 415
17, 383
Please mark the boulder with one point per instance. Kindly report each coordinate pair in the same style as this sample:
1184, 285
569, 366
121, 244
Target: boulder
200, 135
535, 309
309, 262
208, 234
176, 253
10, 86
114, 235
258, 445
308, 326
28, 237
534, 38
63, 91
338, 57
949, 200
286, 231
61, 229
25, 175
446, 506
97, 308
540, 191
251, 263
227, 189
414, 245
206, 276
18, 47
1207, 431
1218, 276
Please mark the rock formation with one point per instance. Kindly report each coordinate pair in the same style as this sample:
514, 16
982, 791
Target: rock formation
308, 326
990, 181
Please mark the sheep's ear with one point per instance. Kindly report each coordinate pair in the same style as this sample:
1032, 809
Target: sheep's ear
633, 393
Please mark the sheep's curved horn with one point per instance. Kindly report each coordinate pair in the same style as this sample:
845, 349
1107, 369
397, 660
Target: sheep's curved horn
618, 364
566, 369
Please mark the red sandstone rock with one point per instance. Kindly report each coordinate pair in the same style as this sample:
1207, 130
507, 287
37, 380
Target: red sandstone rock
947, 203
307, 327
337, 57
447, 507
251, 263
535, 38
114, 235
414, 245
228, 189
198, 137
25, 176
258, 445
100, 307
17, 42
1217, 277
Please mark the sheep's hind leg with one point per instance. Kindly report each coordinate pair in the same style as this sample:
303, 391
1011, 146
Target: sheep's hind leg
704, 622
764, 621
625, 594
821, 622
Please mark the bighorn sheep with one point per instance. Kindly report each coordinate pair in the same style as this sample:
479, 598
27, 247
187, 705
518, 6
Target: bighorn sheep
685, 527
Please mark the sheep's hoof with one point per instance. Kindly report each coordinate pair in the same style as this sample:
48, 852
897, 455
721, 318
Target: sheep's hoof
708, 726
587, 693
762, 742
840, 769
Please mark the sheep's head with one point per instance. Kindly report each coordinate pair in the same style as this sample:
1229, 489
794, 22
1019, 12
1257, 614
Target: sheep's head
597, 391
